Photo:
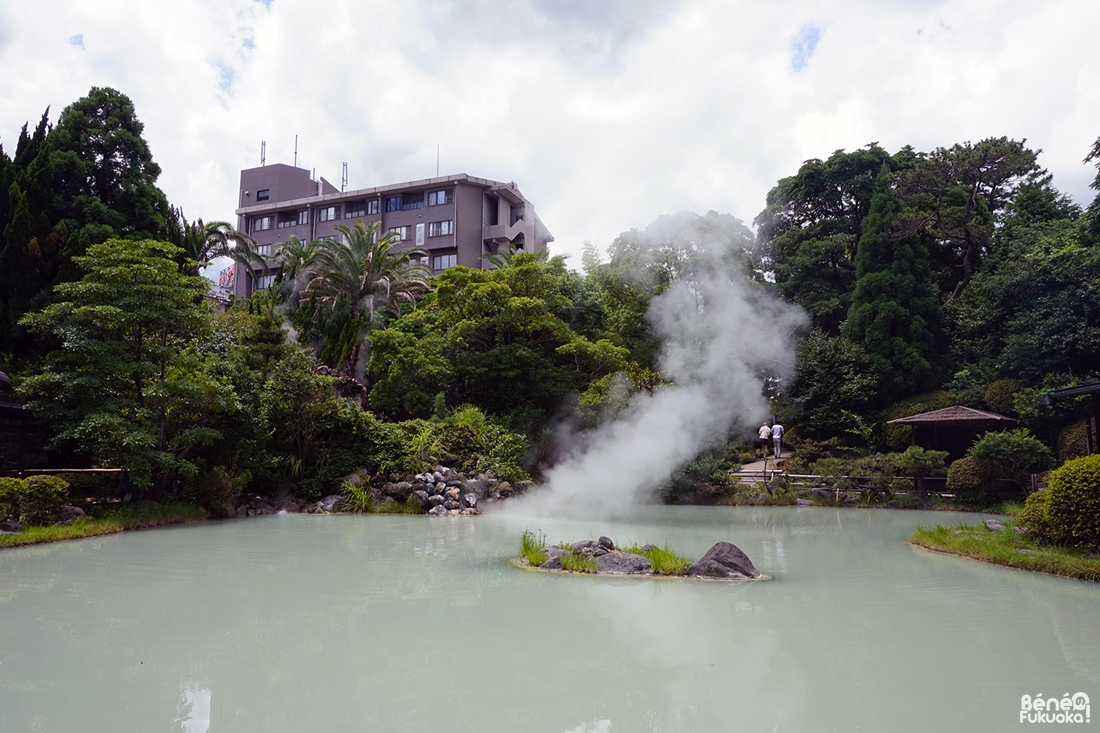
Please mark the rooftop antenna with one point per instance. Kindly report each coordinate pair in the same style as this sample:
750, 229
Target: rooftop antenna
344, 178
295, 151
437, 160
263, 152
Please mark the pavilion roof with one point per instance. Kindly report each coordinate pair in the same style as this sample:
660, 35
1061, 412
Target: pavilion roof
952, 415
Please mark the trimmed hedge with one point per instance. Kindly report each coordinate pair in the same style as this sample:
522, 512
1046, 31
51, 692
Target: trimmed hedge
968, 482
1067, 511
35, 500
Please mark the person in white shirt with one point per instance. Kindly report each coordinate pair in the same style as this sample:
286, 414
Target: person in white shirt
763, 437
777, 438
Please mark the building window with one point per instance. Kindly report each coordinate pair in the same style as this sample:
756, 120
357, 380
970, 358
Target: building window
328, 213
372, 207
439, 228
435, 198
303, 216
393, 203
442, 262
401, 232
265, 249
263, 282
355, 210
263, 195
261, 223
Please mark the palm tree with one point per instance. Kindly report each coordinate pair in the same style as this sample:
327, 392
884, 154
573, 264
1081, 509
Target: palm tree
296, 259
204, 242
357, 278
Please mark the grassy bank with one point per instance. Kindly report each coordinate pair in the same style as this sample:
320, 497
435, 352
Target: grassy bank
112, 522
1010, 548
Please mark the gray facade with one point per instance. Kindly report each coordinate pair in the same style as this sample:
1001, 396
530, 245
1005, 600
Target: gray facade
458, 219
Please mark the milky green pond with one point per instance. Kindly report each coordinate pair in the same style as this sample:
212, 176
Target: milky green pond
371, 623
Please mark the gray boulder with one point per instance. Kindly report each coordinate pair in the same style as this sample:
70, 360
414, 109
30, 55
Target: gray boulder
623, 563
552, 563
606, 543
994, 525
470, 500
68, 513
10, 525
400, 490
437, 511
422, 499
648, 547
582, 545
331, 502
724, 560
436, 499
451, 504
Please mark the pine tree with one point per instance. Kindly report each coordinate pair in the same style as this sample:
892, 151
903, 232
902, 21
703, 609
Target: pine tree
894, 314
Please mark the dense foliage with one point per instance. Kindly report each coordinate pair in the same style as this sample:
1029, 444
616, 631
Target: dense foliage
930, 278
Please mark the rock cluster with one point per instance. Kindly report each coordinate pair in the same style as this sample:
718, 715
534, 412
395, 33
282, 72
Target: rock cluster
443, 491
723, 560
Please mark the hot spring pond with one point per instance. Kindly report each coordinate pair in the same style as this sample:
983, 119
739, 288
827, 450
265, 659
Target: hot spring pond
346, 623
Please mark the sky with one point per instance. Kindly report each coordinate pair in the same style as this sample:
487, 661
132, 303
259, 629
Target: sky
606, 113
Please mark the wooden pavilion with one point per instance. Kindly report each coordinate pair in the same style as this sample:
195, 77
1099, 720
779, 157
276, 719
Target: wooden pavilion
952, 429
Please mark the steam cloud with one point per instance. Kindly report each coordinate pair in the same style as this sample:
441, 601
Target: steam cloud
720, 334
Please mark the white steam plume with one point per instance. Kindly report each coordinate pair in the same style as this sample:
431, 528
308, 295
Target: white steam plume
720, 335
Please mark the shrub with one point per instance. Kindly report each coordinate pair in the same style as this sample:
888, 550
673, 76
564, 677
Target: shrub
1012, 455
968, 482
43, 497
1067, 511
11, 491
1071, 441
1000, 396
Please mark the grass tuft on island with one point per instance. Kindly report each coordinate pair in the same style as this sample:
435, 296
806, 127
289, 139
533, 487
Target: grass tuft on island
533, 544
1009, 548
665, 560
113, 522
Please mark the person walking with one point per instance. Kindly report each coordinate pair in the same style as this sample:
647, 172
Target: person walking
777, 438
763, 437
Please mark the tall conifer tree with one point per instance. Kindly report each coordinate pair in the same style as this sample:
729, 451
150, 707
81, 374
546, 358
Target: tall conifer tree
894, 314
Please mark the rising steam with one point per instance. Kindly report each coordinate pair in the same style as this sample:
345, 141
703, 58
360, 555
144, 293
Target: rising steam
720, 334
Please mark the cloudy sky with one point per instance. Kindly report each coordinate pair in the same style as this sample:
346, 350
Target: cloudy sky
607, 113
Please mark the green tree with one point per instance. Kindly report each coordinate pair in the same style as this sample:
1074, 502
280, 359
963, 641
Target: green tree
832, 389
351, 282
126, 383
1035, 310
812, 224
956, 195
496, 339
894, 313
1092, 214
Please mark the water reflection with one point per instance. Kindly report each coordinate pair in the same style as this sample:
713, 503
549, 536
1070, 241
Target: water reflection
193, 714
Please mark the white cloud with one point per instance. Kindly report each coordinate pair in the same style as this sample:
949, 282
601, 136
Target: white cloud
606, 114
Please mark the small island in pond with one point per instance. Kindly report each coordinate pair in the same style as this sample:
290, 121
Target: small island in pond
723, 561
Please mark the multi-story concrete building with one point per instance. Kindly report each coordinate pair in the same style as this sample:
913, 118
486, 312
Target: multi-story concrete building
457, 219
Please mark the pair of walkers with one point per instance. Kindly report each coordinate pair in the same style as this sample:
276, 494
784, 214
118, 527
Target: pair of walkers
770, 435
